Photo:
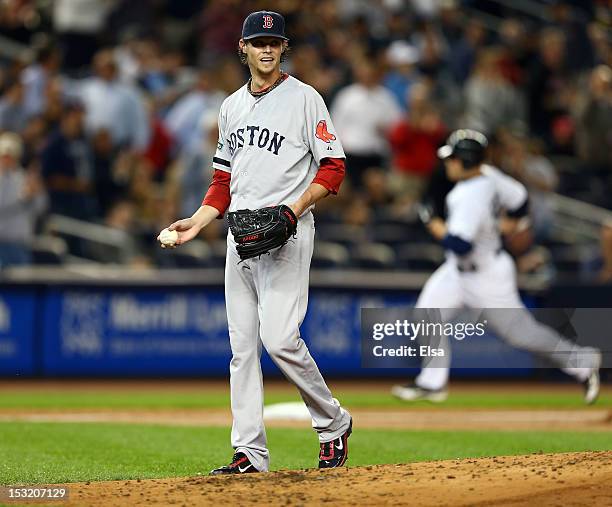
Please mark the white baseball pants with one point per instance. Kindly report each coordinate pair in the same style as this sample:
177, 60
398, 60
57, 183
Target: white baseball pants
494, 287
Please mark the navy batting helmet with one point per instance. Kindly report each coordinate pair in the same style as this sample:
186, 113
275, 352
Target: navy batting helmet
467, 145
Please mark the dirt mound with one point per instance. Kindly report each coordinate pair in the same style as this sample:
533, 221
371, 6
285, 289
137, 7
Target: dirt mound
538, 479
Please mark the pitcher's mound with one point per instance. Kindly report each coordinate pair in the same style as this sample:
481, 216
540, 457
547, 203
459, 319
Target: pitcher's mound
538, 479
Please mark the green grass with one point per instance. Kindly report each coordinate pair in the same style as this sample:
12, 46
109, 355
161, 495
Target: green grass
169, 400
46, 453
39, 453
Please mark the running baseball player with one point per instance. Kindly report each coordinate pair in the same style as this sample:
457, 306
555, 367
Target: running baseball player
277, 151
478, 273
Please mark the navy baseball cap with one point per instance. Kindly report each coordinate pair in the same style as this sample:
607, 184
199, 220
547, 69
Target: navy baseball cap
264, 24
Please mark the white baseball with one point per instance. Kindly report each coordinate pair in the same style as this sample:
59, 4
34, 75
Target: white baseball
168, 238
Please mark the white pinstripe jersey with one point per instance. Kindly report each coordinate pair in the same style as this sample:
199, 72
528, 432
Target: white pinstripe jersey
474, 206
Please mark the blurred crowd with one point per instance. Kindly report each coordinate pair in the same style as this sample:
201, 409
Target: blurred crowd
108, 108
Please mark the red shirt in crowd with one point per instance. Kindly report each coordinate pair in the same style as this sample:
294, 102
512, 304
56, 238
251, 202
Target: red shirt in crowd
414, 150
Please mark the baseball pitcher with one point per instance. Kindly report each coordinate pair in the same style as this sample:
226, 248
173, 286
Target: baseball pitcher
277, 156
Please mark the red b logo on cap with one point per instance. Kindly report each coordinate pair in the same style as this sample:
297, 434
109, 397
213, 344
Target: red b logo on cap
268, 21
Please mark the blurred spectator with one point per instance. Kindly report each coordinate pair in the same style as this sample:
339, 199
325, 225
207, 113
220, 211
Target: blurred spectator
114, 106
600, 41
129, 19
121, 215
444, 91
34, 138
179, 24
150, 73
516, 52
462, 56
157, 155
155, 202
431, 48
359, 29
67, 167
195, 163
491, 101
161, 73
572, 21
78, 23
184, 117
341, 49
450, 21
377, 193
357, 212
414, 142
548, 84
177, 77
36, 76
399, 24
308, 67
13, 114
127, 59
362, 113
593, 115
54, 102
22, 200
220, 21
402, 59
427, 8
19, 20
230, 75
605, 274
523, 159
109, 186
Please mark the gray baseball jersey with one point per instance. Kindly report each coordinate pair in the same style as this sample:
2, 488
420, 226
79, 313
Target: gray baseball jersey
272, 145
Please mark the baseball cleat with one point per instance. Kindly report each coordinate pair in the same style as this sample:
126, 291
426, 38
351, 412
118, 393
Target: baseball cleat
412, 392
592, 384
334, 454
240, 465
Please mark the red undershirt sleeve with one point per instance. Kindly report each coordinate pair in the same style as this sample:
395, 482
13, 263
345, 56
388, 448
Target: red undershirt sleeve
330, 174
218, 194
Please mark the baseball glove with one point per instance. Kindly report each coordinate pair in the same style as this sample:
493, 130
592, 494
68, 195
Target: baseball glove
256, 232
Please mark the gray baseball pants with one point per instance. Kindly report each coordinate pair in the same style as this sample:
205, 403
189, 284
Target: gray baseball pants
266, 300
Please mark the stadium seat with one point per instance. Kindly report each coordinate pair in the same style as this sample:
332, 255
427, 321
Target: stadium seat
328, 255
218, 252
92, 241
385, 216
576, 259
345, 234
49, 250
195, 254
420, 256
373, 256
390, 234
